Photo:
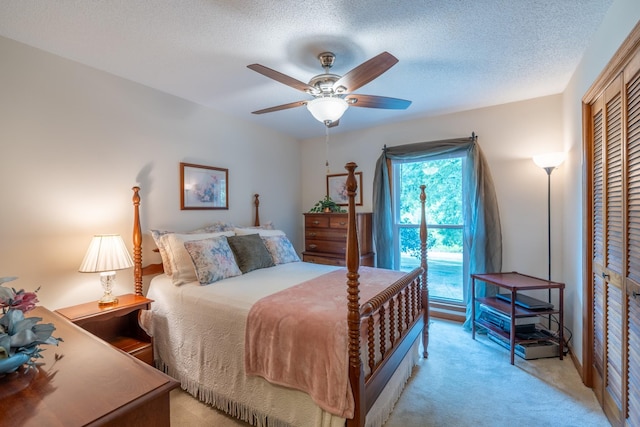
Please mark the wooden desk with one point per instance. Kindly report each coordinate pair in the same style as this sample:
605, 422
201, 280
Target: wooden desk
91, 383
515, 282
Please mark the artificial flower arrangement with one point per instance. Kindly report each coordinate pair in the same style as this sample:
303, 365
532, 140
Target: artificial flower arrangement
20, 337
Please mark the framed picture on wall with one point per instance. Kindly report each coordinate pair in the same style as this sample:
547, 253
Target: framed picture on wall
203, 187
337, 188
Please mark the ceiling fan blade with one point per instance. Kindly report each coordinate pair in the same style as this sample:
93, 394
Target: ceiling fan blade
372, 101
281, 107
282, 78
365, 72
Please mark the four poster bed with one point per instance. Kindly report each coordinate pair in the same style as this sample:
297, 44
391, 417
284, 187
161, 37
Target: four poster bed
281, 345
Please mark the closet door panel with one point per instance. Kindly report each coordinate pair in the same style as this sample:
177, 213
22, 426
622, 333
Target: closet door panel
614, 223
614, 382
632, 287
598, 246
633, 409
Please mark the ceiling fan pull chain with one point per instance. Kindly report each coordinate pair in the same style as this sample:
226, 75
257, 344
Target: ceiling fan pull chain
326, 144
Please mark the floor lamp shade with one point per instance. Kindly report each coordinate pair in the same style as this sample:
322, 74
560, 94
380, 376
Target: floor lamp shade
106, 254
549, 160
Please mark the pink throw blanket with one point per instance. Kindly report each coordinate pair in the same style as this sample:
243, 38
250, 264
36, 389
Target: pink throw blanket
298, 337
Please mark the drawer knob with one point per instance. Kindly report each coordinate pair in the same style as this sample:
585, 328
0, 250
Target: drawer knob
312, 234
343, 223
313, 246
316, 222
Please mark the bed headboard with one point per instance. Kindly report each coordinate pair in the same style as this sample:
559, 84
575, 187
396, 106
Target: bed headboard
138, 270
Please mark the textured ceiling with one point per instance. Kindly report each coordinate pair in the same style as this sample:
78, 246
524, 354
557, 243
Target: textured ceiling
454, 55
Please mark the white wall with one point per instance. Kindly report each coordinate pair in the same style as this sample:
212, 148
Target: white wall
618, 23
75, 140
509, 135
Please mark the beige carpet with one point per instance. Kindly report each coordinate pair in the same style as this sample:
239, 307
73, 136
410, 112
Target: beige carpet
464, 383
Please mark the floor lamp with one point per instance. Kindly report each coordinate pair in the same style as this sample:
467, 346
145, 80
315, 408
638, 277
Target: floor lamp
549, 162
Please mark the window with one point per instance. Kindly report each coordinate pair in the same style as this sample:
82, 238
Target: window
444, 209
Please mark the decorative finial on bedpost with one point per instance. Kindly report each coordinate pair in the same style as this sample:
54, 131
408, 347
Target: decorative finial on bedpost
137, 242
257, 203
424, 265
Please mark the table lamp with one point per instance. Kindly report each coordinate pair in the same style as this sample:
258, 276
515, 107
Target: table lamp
106, 254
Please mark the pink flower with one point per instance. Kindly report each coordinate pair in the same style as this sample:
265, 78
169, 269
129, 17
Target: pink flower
24, 301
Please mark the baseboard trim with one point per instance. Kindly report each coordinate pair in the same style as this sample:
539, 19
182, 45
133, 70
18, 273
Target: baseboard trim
576, 363
447, 311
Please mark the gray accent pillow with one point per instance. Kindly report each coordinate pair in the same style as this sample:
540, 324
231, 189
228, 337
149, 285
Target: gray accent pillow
250, 252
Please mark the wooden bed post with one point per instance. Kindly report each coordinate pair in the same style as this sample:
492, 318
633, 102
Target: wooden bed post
257, 203
137, 242
356, 373
423, 263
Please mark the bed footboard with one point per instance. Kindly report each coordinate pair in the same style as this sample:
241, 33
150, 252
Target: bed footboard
401, 311
400, 319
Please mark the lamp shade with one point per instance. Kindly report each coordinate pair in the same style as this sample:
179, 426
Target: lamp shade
327, 108
549, 160
106, 252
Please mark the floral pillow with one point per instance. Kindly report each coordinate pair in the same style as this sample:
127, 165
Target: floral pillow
213, 259
179, 260
280, 249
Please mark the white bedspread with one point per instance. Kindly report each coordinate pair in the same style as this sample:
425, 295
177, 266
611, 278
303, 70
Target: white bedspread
212, 368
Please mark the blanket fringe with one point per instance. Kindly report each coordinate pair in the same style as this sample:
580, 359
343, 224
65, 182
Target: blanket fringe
382, 409
208, 396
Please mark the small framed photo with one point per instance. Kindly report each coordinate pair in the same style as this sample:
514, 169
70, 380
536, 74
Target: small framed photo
337, 188
203, 187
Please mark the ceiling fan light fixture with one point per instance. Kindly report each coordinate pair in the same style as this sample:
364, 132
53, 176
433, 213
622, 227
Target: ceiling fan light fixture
327, 108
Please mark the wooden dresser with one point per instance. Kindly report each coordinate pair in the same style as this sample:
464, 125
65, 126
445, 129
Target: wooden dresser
325, 238
85, 382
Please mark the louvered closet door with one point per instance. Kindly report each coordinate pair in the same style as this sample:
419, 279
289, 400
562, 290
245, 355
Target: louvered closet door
612, 151
632, 283
615, 238
608, 246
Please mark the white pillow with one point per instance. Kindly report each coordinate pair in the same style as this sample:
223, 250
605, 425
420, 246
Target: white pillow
181, 265
262, 232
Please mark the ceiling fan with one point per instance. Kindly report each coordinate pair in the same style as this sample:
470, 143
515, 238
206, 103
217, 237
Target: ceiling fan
332, 94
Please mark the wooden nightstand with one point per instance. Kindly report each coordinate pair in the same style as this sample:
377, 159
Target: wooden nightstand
116, 324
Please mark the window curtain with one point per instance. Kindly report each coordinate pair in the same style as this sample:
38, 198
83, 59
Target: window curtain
482, 232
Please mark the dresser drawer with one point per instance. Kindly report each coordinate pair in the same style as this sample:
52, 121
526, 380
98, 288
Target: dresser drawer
320, 221
325, 234
312, 245
338, 221
319, 259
